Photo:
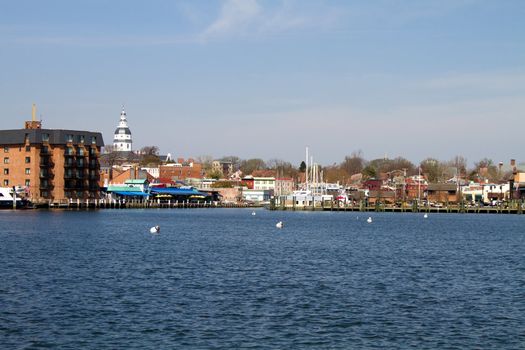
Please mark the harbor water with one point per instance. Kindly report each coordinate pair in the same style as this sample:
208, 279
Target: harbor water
227, 279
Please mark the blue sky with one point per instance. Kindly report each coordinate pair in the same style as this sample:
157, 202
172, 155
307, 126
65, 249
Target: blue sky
255, 78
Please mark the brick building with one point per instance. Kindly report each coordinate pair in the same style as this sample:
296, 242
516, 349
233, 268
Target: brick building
181, 170
51, 164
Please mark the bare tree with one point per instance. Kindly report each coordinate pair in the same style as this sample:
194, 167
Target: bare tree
353, 164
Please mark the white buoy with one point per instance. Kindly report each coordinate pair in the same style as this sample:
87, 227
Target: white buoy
425, 216
369, 220
253, 213
155, 229
279, 224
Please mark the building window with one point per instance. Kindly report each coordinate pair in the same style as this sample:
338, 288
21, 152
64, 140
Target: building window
69, 138
6, 160
28, 171
6, 171
27, 183
28, 148
6, 182
6, 149
28, 160
45, 137
93, 139
81, 139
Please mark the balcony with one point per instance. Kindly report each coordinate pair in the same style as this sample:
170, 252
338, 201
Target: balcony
46, 186
46, 174
46, 163
70, 175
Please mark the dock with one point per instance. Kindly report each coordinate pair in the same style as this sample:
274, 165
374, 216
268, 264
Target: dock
135, 204
515, 207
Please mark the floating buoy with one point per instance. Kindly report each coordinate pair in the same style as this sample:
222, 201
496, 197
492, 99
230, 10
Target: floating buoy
155, 229
253, 213
425, 216
369, 220
279, 224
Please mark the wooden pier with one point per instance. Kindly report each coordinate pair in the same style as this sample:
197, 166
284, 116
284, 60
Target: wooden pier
135, 204
515, 207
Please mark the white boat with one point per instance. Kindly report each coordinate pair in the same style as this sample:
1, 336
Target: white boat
6, 199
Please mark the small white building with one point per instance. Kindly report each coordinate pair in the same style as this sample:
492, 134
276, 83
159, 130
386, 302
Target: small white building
264, 183
256, 195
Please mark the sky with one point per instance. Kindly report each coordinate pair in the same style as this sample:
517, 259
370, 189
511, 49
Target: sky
265, 78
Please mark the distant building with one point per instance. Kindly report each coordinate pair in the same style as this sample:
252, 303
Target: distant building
226, 168
284, 186
259, 183
180, 170
442, 193
122, 141
50, 164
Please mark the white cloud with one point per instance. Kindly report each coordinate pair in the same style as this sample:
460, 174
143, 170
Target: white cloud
234, 15
242, 18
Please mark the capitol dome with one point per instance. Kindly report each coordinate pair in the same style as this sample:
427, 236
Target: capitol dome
122, 141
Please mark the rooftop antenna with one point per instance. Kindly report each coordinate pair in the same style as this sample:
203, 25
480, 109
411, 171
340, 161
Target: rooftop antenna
33, 113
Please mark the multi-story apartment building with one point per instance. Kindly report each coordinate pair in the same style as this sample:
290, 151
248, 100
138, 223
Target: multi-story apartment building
51, 164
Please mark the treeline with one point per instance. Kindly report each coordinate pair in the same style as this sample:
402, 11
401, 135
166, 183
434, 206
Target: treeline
354, 164
352, 167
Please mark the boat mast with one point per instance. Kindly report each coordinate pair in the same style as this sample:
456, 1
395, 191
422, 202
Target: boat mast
306, 171
419, 185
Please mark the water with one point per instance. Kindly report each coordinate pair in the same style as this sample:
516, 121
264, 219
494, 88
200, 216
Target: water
224, 279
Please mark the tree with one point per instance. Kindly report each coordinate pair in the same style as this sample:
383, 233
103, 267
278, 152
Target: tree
282, 168
214, 174
334, 174
432, 169
206, 161
302, 167
487, 169
460, 163
150, 150
354, 163
250, 165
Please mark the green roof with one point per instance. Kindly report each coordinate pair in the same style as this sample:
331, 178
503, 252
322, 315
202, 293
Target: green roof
136, 181
123, 188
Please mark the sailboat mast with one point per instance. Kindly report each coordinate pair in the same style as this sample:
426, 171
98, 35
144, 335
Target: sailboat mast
306, 171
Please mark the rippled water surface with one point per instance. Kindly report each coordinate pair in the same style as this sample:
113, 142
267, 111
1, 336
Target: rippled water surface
225, 279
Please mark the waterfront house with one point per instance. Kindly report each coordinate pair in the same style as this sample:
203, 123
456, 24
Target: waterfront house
442, 192
387, 197
284, 186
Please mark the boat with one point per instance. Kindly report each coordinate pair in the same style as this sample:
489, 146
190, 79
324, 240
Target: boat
6, 199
